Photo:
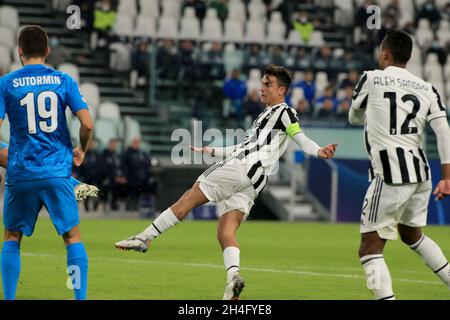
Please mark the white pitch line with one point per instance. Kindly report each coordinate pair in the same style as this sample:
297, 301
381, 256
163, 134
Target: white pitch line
255, 269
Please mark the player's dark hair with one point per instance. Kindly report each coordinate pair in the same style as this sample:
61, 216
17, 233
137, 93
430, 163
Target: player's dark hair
400, 45
33, 41
283, 75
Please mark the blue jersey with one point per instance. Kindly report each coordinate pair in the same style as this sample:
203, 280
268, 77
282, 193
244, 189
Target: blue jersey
35, 99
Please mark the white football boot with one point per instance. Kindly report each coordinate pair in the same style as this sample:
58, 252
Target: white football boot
234, 288
132, 243
84, 190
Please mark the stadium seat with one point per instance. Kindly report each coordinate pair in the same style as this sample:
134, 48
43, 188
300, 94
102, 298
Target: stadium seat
7, 37
15, 53
316, 39
416, 69
424, 34
91, 93
171, 8
234, 31
109, 110
276, 29
61, 5
9, 17
447, 90
212, 27
124, 25
127, 7
447, 70
105, 130
236, 11
258, 8
255, 31
294, 38
297, 95
232, 57
145, 26
321, 82
132, 130
167, 28
254, 80
71, 70
74, 129
149, 8
5, 57
120, 56
344, 13
443, 33
190, 25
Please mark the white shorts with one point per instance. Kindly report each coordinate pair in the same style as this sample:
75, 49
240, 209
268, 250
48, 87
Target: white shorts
229, 187
387, 205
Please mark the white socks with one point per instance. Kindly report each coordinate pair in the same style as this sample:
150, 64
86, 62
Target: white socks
378, 276
231, 261
165, 221
433, 257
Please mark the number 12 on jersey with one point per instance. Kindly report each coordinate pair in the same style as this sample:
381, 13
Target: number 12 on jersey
52, 114
405, 128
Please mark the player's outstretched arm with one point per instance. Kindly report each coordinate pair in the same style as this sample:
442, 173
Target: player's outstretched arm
86, 133
442, 131
312, 148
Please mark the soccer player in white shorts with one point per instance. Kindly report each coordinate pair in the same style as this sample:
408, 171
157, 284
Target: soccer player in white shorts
234, 183
395, 107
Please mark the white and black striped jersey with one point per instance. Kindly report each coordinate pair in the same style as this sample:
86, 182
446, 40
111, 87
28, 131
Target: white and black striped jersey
265, 143
398, 106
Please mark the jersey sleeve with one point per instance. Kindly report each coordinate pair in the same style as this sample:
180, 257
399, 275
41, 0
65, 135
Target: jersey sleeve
74, 97
290, 122
437, 108
2, 99
361, 93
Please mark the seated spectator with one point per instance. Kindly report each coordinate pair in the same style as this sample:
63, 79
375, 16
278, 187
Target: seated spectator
351, 80
235, 89
141, 62
104, 19
325, 61
343, 109
167, 64
302, 24
114, 185
393, 10
253, 57
430, 12
213, 63
328, 96
327, 110
189, 70
309, 87
302, 59
304, 110
252, 105
137, 167
87, 13
277, 56
90, 172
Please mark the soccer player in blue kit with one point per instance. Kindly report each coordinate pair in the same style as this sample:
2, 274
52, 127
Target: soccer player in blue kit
40, 157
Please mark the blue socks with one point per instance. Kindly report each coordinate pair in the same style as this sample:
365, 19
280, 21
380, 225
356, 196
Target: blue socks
77, 265
10, 268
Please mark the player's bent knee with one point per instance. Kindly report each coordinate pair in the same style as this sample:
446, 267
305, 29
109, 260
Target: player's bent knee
13, 236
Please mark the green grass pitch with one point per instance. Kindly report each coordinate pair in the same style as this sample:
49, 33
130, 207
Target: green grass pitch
292, 261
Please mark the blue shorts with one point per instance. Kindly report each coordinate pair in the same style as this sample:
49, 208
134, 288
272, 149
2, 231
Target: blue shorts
24, 200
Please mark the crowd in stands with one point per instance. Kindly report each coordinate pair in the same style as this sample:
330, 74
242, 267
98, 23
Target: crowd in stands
125, 177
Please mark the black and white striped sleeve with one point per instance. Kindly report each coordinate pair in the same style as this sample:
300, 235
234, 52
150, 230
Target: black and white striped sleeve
437, 108
359, 101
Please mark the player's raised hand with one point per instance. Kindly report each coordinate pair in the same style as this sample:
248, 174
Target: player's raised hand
78, 156
328, 151
442, 190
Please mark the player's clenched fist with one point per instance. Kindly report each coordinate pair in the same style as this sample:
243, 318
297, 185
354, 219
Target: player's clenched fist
328, 151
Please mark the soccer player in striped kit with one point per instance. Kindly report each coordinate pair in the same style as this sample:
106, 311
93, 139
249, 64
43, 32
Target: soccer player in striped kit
395, 106
234, 183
